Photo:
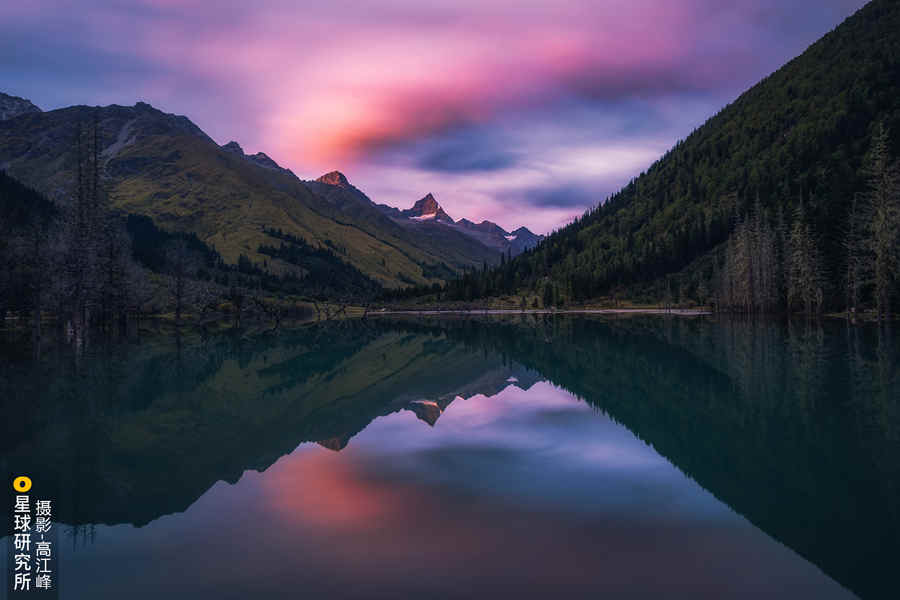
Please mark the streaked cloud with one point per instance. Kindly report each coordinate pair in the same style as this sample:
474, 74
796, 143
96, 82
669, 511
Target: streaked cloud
478, 98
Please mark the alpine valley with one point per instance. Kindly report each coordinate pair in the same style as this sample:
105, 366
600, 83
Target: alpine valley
785, 201
164, 167
230, 374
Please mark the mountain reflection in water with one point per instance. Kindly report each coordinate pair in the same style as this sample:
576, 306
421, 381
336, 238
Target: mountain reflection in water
640, 457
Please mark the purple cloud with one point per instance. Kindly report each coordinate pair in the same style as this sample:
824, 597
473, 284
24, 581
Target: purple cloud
481, 100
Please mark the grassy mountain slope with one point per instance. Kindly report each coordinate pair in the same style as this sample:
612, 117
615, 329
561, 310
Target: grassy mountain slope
800, 136
165, 167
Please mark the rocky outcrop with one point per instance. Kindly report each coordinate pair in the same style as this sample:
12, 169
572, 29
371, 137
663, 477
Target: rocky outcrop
13, 106
334, 178
426, 411
260, 159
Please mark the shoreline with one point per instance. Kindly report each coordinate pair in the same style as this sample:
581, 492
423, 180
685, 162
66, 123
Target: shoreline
684, 312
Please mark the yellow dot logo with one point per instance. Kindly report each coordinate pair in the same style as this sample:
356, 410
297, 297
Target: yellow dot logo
22, 484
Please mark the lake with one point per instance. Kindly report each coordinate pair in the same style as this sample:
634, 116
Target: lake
519, 456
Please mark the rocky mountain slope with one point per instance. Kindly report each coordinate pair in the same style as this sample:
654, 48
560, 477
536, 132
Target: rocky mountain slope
492, 235
428, 215
427, 209
13, 106
456, 250
165, 167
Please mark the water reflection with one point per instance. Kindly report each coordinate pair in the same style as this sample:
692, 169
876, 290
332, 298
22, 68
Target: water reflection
469, 462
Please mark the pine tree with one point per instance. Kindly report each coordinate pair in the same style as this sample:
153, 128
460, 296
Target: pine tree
857, 263
548, 295
806, 271
883, 205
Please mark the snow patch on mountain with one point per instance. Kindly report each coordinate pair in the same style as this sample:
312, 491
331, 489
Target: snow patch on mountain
428, 214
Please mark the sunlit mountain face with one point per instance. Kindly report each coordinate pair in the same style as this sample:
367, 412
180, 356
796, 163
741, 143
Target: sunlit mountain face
520, 113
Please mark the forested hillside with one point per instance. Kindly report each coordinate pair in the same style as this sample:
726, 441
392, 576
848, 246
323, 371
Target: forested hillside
786, 199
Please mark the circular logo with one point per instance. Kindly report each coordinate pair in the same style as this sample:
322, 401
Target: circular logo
22, 484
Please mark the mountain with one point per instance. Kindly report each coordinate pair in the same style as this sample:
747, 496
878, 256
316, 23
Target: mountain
427, 411
165, 167
337, 189
784, 161
427, 215
492, 235
484, 227
427, 209
449, 251
13, 106
522, 239
260, 159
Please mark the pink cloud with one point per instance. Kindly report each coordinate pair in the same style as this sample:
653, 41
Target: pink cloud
319, 86
330, 91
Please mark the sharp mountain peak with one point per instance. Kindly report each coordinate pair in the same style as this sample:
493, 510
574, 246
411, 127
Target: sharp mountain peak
428, 208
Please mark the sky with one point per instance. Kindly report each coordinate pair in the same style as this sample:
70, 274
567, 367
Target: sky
523, 112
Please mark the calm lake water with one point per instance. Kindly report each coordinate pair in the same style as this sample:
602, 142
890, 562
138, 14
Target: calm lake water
494, 457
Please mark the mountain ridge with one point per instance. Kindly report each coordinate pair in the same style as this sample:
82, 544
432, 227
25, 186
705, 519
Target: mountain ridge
165, 167
13, 106
427, 213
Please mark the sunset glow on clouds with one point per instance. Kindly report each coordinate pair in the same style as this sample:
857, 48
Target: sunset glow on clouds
522, 112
